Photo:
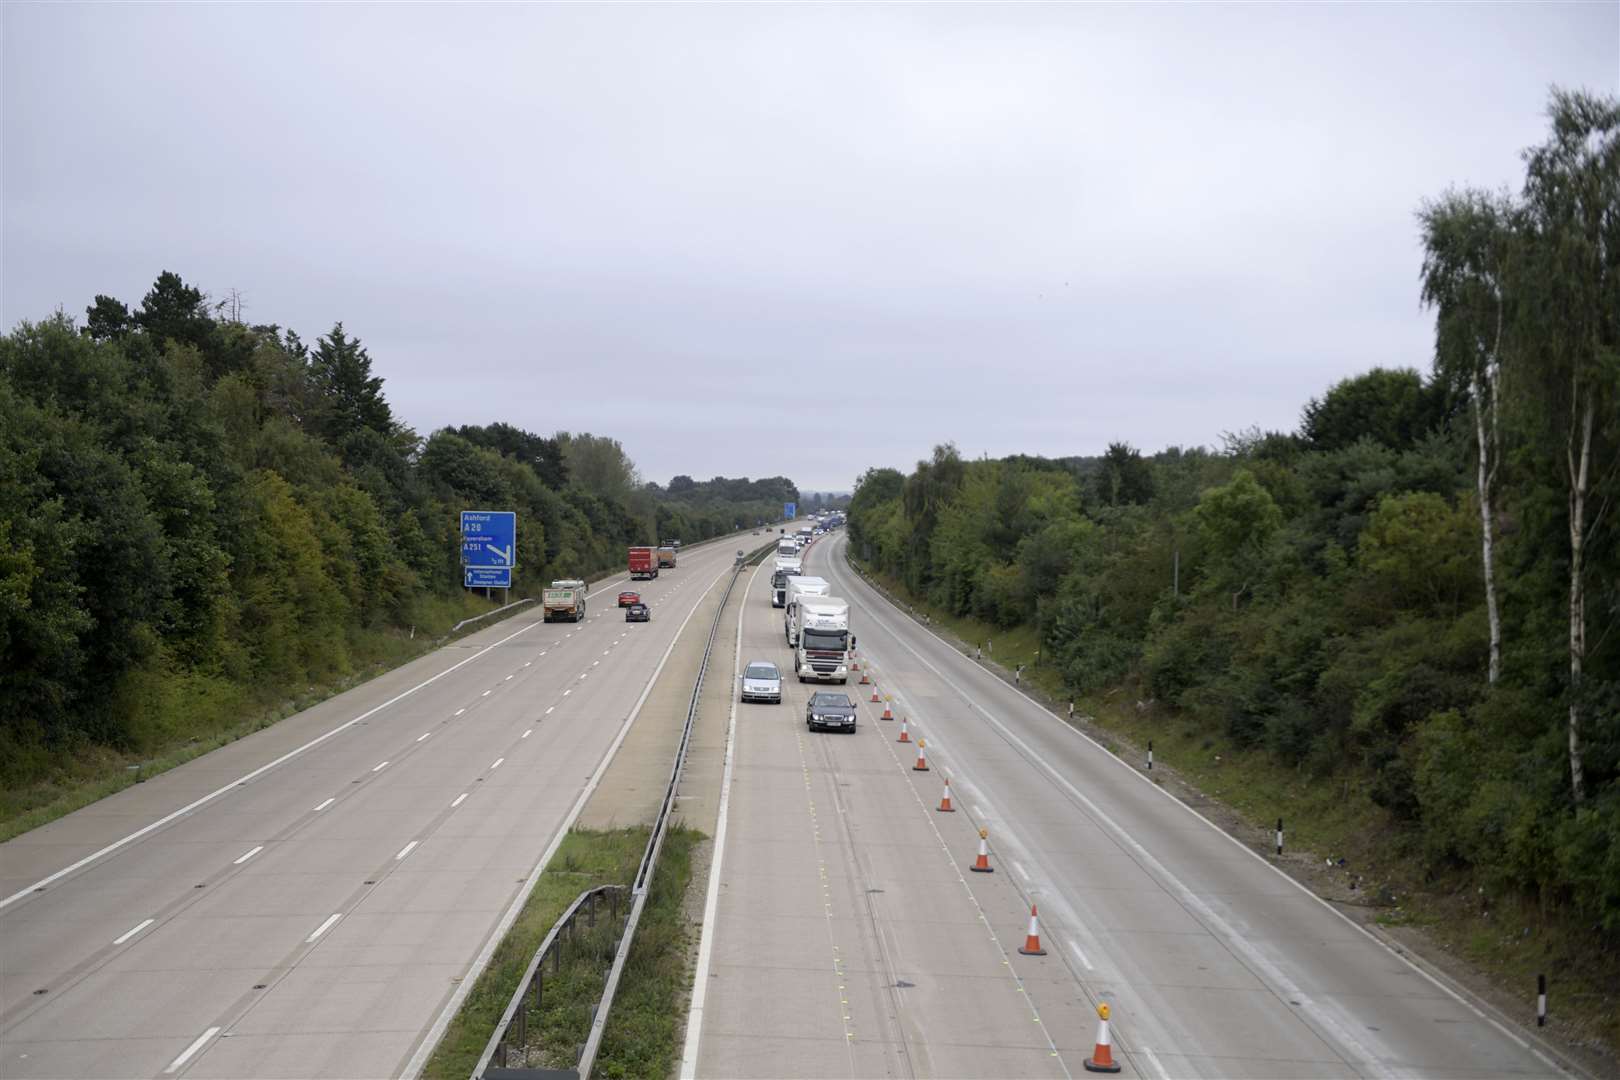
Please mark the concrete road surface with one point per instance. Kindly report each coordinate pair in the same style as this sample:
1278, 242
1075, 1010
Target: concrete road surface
306, 901
851, 940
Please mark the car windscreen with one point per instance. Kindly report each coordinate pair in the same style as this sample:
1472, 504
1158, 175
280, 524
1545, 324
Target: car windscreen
830, 701
760, 671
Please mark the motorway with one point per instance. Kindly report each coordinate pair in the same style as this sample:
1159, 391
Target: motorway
307, 901
850, 939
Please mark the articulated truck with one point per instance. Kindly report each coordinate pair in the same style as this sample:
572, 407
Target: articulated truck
643, 563
788, 563
798, 588
564, 601
824, 639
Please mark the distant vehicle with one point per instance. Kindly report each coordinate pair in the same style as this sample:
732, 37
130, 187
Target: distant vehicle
799, 587
627, 598
788, 563
756, 532
564, 601
666, 556
818, 531
830, 709
672, 543
822, 651
806, 532
638, 613
761, 681
643, 563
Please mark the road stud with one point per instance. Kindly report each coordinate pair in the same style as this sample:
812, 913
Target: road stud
1032, 940
1102, 1058
922, 756
981, 865
945, 806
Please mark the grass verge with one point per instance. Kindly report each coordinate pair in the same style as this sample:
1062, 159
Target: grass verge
1502, 940
586, 858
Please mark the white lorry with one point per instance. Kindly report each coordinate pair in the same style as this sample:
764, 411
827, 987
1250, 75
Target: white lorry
824, 640
798, 588
788, 563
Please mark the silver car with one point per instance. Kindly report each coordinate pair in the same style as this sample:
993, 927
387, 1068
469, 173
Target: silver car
761, 682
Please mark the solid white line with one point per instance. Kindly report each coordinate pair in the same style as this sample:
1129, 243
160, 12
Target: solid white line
324, 805
711, 899
413, 1068
324, 927
132, 931
459, 800
424, 735
526, 734
380, 766
497, 764
246, 855
174, 1066
1081, 955
95, 856
406, 850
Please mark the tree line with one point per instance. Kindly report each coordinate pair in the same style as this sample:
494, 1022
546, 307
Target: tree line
191, 505
1419, 588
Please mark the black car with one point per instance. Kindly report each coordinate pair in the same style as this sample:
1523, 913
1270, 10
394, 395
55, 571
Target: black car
637, 613
830, 709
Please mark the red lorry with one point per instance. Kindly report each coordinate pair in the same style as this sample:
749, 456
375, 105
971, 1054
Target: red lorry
643, 562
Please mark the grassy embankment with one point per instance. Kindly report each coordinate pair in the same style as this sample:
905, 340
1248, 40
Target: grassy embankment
1508, 939
181, 716
643, 1035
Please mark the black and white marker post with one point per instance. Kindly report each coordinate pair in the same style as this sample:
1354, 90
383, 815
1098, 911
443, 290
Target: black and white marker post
1541, 1001
1279, 836
1150, 755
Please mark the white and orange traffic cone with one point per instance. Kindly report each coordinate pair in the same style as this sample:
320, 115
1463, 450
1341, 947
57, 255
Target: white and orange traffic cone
922, 756
945, 806
854, 665
905, 736
1102, 1058
875, 697
1032, 940
887, 715
981, 865
864, 679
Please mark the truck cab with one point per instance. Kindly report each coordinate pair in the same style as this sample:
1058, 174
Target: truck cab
564, 600
798, 588
822, 653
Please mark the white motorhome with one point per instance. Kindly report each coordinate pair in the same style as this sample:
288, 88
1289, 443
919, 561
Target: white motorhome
798, 587
824, 639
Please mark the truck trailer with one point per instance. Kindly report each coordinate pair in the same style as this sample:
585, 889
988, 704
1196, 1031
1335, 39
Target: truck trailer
643, 563
799, 587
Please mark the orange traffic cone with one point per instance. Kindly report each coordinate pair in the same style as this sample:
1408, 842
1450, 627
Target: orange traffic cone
1102, 1058
854, 665
945, 806
875, 697
864, 679
904, 737
887, 715
1032, 940
922, 756
981, 865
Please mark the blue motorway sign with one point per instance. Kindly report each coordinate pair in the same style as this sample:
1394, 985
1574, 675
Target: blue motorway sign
489, 538
487, 577
790, 510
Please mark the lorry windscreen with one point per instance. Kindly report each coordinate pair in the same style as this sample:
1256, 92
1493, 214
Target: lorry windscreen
831, 640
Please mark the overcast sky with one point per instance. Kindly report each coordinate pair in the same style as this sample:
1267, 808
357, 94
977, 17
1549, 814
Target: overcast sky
759, 240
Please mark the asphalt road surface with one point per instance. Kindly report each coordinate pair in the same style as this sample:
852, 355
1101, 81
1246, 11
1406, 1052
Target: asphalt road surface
852, 940
306, 901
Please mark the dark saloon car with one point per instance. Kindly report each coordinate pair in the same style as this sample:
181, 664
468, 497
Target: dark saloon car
637, 613
830, 709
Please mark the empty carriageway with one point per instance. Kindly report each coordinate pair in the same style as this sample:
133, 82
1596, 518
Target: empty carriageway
1214, 963
308, 901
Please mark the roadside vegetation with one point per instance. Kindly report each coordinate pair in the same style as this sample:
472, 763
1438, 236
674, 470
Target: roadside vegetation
205, 523
1398, 624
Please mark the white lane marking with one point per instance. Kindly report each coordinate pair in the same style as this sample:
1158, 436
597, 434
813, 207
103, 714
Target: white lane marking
526, 663
380, 766
459, 800
594, 663
604, 653
1157, 1067
550, 709
424, 735
711, 899
1081, 955
95, 856
526, 734
324, 927
246, 855
406, 850
190, 1051
542, 652
132, 931
507, 679
567, 692
497, 764
978, 813
425, 1045
586, 674
1018, 866
460, 711
486, 693
324, 805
